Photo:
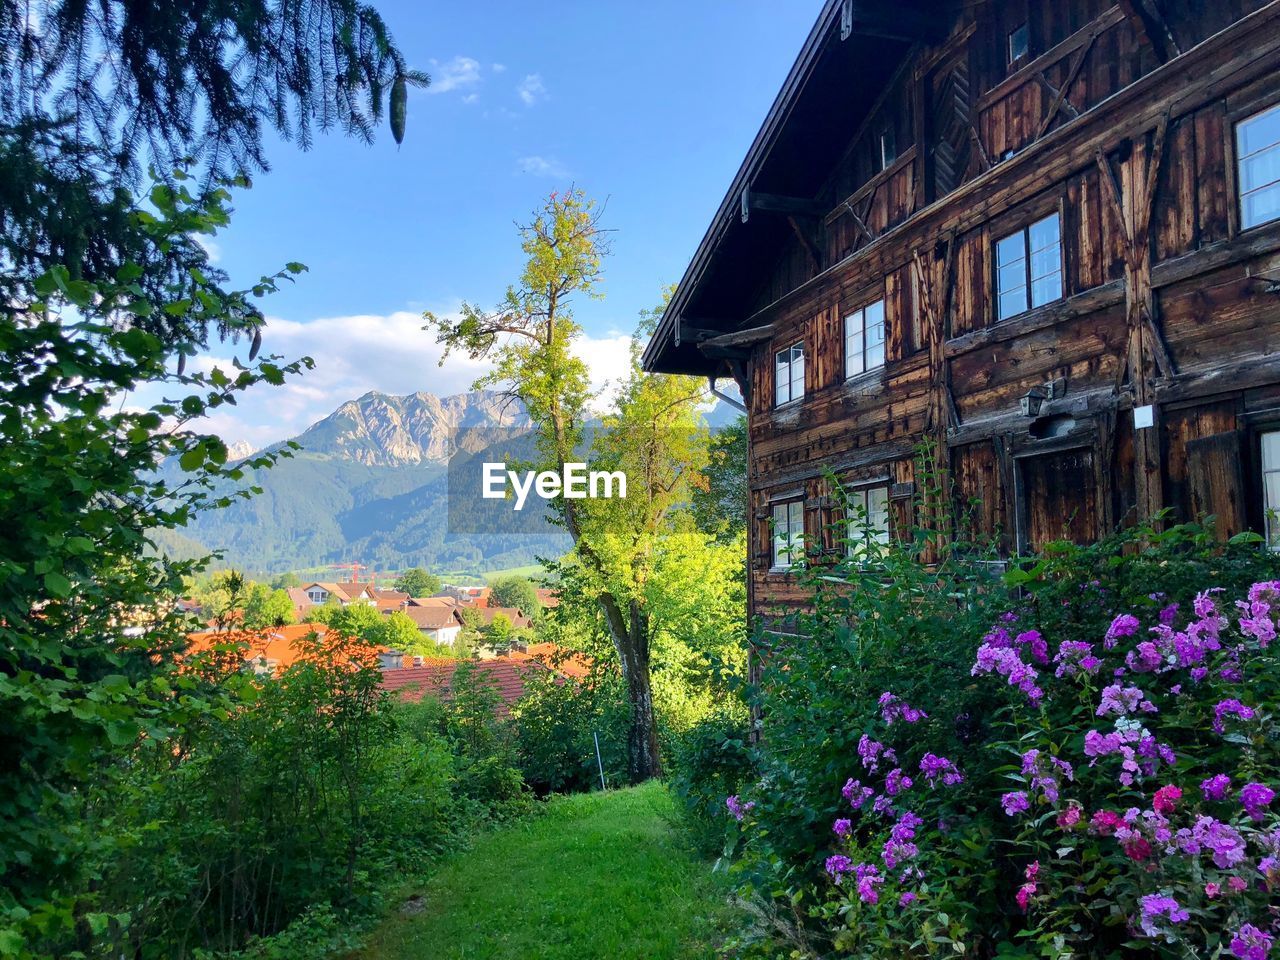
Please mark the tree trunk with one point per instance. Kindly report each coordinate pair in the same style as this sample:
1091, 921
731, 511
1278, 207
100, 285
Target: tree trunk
643, 761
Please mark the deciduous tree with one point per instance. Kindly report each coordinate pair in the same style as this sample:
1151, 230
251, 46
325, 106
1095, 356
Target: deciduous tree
652, 435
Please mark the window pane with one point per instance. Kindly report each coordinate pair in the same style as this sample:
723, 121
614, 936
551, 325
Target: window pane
1261, 169
1011, 248
1013, 302
875, 317
854, 361
1045, 262
782, 378
878, 513
1012, 275
1044, 233
1260, 206
797, 373
1258, 132
1019, 39
1271, 450
780, 532
1271, 484
875, 355
1046, 289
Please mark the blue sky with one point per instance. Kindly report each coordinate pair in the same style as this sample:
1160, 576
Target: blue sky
648, 106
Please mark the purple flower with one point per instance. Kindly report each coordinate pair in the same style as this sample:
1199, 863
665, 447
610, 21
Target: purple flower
896, 782
1250, 943
1075, 657
1122, 701
842, 828
1007, 663
1015, 802
838, 865
1125, 625
1216, 787
1229, 708
907, 899
869, 750
868, 879
934, 767
1254, 797
895, 708
737, 808
1153, 908
856, 793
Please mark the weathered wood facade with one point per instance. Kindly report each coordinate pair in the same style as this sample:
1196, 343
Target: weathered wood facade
1123, 364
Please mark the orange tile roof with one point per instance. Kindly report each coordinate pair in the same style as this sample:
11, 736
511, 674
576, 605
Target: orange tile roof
278, 646
432, 618
567, 663
435, 677
549, 596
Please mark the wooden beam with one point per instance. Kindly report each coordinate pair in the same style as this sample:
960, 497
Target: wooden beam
815, 258
1151, 27
742, 338
1061, 97
754, 201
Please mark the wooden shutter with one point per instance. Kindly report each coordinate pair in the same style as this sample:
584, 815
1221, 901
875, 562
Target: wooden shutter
950, 125
1217, 482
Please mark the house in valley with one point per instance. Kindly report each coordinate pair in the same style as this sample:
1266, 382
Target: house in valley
1041, 237
437, 618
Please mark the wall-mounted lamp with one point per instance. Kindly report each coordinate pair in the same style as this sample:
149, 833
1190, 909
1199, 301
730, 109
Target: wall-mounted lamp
1033, 401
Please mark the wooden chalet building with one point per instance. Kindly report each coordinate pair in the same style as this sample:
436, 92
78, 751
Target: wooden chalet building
1043, 235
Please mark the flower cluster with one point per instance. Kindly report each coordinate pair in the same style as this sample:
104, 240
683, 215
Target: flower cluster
895, 708
738, 809
1194, 831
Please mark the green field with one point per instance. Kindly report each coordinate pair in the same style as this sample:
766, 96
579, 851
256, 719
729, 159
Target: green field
594, 876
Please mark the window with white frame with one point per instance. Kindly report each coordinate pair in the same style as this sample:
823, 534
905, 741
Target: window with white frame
317, 596
789, 374
864, 339
1029, 268
868, 518
1258, 164
788, 533
888, 148
1019, 43
1271, 486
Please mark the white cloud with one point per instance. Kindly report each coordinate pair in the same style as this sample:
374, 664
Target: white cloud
498, 68
460, 73
543, 167
353, 356
531, 89
211, 247
471, 98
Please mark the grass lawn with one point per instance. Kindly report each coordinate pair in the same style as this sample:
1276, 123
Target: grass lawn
594, 876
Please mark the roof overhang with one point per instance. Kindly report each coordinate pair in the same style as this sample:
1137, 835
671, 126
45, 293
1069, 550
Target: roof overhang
850, 55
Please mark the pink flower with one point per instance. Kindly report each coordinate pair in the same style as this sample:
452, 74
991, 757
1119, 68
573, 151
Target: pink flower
1212, 890
1104, 822
1166, 799
1216, 787
1125, 625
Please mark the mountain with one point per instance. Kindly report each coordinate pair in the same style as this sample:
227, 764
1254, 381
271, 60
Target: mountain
371, 483
385, 431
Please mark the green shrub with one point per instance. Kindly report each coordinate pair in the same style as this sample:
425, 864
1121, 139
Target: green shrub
885, 622
708, 763
558, 721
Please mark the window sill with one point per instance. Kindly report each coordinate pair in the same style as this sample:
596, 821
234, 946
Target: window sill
867, 378
789, 405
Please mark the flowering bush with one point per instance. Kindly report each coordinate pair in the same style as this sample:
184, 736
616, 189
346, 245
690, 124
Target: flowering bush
1135, 809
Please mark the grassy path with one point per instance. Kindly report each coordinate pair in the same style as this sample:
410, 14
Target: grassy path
598, 875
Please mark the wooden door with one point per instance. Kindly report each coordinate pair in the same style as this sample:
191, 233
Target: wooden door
1058, 498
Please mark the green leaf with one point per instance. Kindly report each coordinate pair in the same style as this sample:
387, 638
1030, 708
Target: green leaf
57, 584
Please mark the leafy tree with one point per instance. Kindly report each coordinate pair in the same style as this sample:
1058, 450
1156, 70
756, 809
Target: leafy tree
516, 592
81, 502
719, 503
286, 580
653, 434
264, 607
417, 582
398, 632
499, 629
93, 94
